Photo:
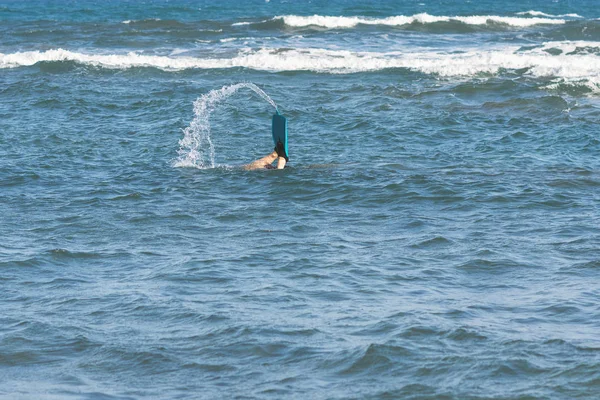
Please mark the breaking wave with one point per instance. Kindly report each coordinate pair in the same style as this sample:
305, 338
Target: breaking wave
543, 14
566, 59
332, 22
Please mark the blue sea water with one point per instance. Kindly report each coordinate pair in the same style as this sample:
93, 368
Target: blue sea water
435, 235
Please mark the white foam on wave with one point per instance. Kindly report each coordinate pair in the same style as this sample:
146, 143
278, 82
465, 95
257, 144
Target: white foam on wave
543, 14
591, 85
332, 22
113, 61
570, 46
572, 61
246, 39
133, 21
176, 52
459, 62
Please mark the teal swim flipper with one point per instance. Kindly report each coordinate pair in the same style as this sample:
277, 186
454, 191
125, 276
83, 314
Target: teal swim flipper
280, 135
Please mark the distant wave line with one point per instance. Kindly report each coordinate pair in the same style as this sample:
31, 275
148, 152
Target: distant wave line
567, 59
134, 21
543, 14
338, 22
333, 22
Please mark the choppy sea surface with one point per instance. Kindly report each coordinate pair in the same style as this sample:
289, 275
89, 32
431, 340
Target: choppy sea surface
436, 234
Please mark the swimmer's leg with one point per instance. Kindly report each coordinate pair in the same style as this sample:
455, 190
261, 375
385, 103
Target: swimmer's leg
281, 163
262, 162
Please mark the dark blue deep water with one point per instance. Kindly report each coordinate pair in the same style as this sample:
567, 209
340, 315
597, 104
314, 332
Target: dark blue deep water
436, 235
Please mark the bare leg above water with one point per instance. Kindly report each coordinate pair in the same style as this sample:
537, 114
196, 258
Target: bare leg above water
266, 162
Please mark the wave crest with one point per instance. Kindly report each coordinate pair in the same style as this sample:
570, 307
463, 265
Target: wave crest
543, 14
332, 22
553, 59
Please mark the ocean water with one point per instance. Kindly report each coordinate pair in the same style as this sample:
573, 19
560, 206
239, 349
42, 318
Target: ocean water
436, 234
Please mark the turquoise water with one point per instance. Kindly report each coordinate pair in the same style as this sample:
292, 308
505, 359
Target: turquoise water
435, 235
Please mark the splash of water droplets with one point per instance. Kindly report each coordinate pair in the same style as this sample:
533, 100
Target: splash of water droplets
196, 148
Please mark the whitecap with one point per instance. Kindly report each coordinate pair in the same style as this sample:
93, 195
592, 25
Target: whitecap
333, 22
543, 14
576, 59
133, 21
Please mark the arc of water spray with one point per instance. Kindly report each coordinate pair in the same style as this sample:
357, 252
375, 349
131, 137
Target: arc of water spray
196, 146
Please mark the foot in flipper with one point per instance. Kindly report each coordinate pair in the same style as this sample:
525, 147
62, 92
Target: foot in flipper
281, 151
280, 135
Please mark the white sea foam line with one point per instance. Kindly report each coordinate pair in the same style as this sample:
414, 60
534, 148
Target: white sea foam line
115, 61
424, 18
467, 63
247, 38
543, 14
593, 84
133, 21
569, 46
175, 52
